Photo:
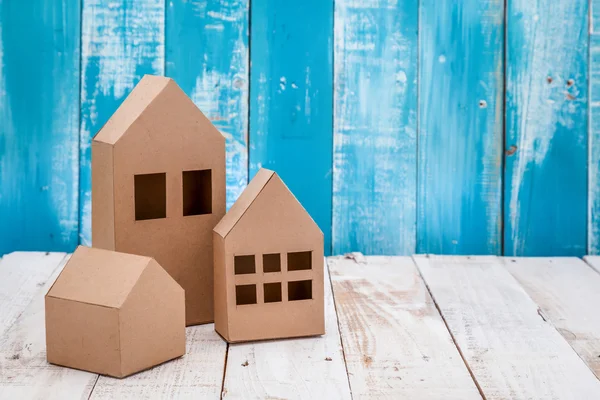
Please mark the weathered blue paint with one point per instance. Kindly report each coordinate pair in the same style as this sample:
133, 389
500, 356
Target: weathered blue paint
594, 132
291, 99
39, 96
546, 128
460, 126
207, 54
121, 41
375, 123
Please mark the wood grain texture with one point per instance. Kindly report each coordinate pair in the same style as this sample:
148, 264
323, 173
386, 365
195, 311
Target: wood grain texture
24, 371
594, 262
511, 350
121, 40
375, 124
21, 277
291, 99
39, 99
546, 128
593, 220
206, 45
566, 292
460, 126
198, 374
290, 369
395, 341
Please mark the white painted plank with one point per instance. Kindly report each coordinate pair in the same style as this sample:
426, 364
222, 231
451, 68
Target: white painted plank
395, 342
512, 352
567, 292
306, 368
22, 274
24, 371
198, 374
593, 261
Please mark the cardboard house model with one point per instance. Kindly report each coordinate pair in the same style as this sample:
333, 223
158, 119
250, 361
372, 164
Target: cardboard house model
158, 187
114, 314
268, 266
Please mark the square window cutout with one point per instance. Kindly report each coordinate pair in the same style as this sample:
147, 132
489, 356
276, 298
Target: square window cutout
150, 196
299, 290
244, 265
271, 263
272, 292
245, 294
299, 261
197, 192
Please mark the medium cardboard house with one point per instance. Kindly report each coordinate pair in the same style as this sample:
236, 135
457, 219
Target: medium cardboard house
268, 266
158, 187
114, 314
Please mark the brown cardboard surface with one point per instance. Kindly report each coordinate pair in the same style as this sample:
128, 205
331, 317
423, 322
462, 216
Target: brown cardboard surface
103, 196
114, 314
272, 222
98, 277
151, 335
83, 336
169, 136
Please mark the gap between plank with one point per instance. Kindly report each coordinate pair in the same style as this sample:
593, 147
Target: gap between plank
337, 320
448, 327
93, 387
224, 370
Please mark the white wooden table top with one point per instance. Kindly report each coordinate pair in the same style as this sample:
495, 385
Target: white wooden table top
426, 327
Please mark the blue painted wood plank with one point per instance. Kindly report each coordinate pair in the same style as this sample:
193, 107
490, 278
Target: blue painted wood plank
594, 132
460, 126
292, 99
375, 124
121, 41
39, 146
546, 128
207, 54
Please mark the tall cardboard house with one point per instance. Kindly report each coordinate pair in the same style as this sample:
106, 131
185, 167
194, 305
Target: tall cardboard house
158, 187
114, 314
268, 266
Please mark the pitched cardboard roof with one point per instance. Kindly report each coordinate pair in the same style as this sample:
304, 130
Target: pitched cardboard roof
243, 202
132, 107
97, 276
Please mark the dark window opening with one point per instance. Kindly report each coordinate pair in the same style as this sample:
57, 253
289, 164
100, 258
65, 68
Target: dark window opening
245, 294
271, 263
244, 265
197, 192
272, 292
299, 261
150, 196
299, 290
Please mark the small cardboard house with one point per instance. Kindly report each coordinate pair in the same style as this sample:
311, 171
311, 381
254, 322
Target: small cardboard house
114, 314
268, 266
158, 187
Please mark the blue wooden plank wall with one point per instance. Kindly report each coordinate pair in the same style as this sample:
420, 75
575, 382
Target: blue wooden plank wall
403, 126
546, 128
460, 127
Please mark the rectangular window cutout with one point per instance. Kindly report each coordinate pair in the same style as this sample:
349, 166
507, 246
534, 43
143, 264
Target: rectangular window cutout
245, 294
271, 263
299, 290
299, 261
272, 292
244, 265
150, 196
197, 192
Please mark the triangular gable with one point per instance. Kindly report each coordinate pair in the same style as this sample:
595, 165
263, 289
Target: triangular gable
97, 276
243, 202
147, 89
